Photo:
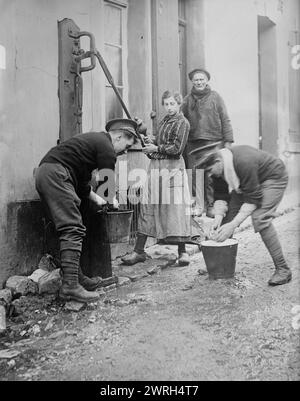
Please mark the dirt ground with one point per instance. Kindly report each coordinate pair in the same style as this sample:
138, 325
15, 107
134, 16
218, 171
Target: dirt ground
176, 324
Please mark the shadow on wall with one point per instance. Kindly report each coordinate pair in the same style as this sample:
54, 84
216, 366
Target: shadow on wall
31, 235
27, 233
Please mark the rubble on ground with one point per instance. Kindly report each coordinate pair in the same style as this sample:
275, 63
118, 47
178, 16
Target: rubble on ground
31, 309
50, 283
5, 296
21, 285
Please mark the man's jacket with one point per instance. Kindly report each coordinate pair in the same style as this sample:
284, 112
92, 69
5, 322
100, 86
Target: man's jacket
208, 117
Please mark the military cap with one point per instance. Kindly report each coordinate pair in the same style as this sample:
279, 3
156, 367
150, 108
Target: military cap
122, 124
202, 70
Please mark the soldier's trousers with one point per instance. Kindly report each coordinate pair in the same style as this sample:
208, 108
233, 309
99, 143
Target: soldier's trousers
56, 189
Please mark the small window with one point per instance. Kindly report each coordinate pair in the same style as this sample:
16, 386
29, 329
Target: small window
182, 46
115, 55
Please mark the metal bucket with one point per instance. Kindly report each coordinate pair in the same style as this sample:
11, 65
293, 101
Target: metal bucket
220, 258
118, 224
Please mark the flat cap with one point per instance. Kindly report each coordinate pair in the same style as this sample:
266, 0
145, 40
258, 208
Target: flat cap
192, 73
207, 160
202, 150
200, 154
122, 124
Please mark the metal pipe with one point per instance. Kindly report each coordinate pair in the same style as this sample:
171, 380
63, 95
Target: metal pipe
111, 81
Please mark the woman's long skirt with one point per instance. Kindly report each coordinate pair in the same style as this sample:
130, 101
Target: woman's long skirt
165, 202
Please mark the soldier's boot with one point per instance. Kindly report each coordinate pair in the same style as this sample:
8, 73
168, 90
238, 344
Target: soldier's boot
71, 290
89, 283
282, 273
281, 276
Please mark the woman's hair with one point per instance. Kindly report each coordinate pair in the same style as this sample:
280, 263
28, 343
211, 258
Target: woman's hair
176, 95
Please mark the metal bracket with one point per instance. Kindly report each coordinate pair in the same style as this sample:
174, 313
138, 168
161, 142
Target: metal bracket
81, 55
70, 89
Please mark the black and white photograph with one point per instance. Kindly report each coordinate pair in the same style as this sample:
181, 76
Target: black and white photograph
149, 193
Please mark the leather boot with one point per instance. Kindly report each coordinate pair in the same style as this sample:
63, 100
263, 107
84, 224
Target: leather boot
134, 258
71, 290
282, 273
89, 283
281, 276
184, 259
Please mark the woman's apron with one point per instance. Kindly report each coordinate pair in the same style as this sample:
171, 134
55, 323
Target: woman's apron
165, 202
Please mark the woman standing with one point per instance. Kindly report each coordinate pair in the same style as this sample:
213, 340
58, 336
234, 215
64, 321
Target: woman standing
165, 206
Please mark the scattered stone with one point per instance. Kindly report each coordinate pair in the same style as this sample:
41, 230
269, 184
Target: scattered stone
170, 257
101, 292
123, 281
92, 319
37, 274
247, 284
74, 306
57, 334
170, 261
71, 333
17, 307
136, 298
187, 287
122, 302
2, 319
202, 272
25, 342
47, 263
17, 327
36, 330
132, 299
164, 251
93, 305
89, 340
50, 283
110, 287
21, 285
5, 297
11, 364
154, 270
8, 354
110, 301
137, 277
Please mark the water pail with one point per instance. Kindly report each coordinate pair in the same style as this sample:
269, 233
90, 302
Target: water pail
220, 258
118, 224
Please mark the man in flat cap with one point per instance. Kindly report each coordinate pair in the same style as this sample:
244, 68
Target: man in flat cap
206, 112
248, 182
63, 180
